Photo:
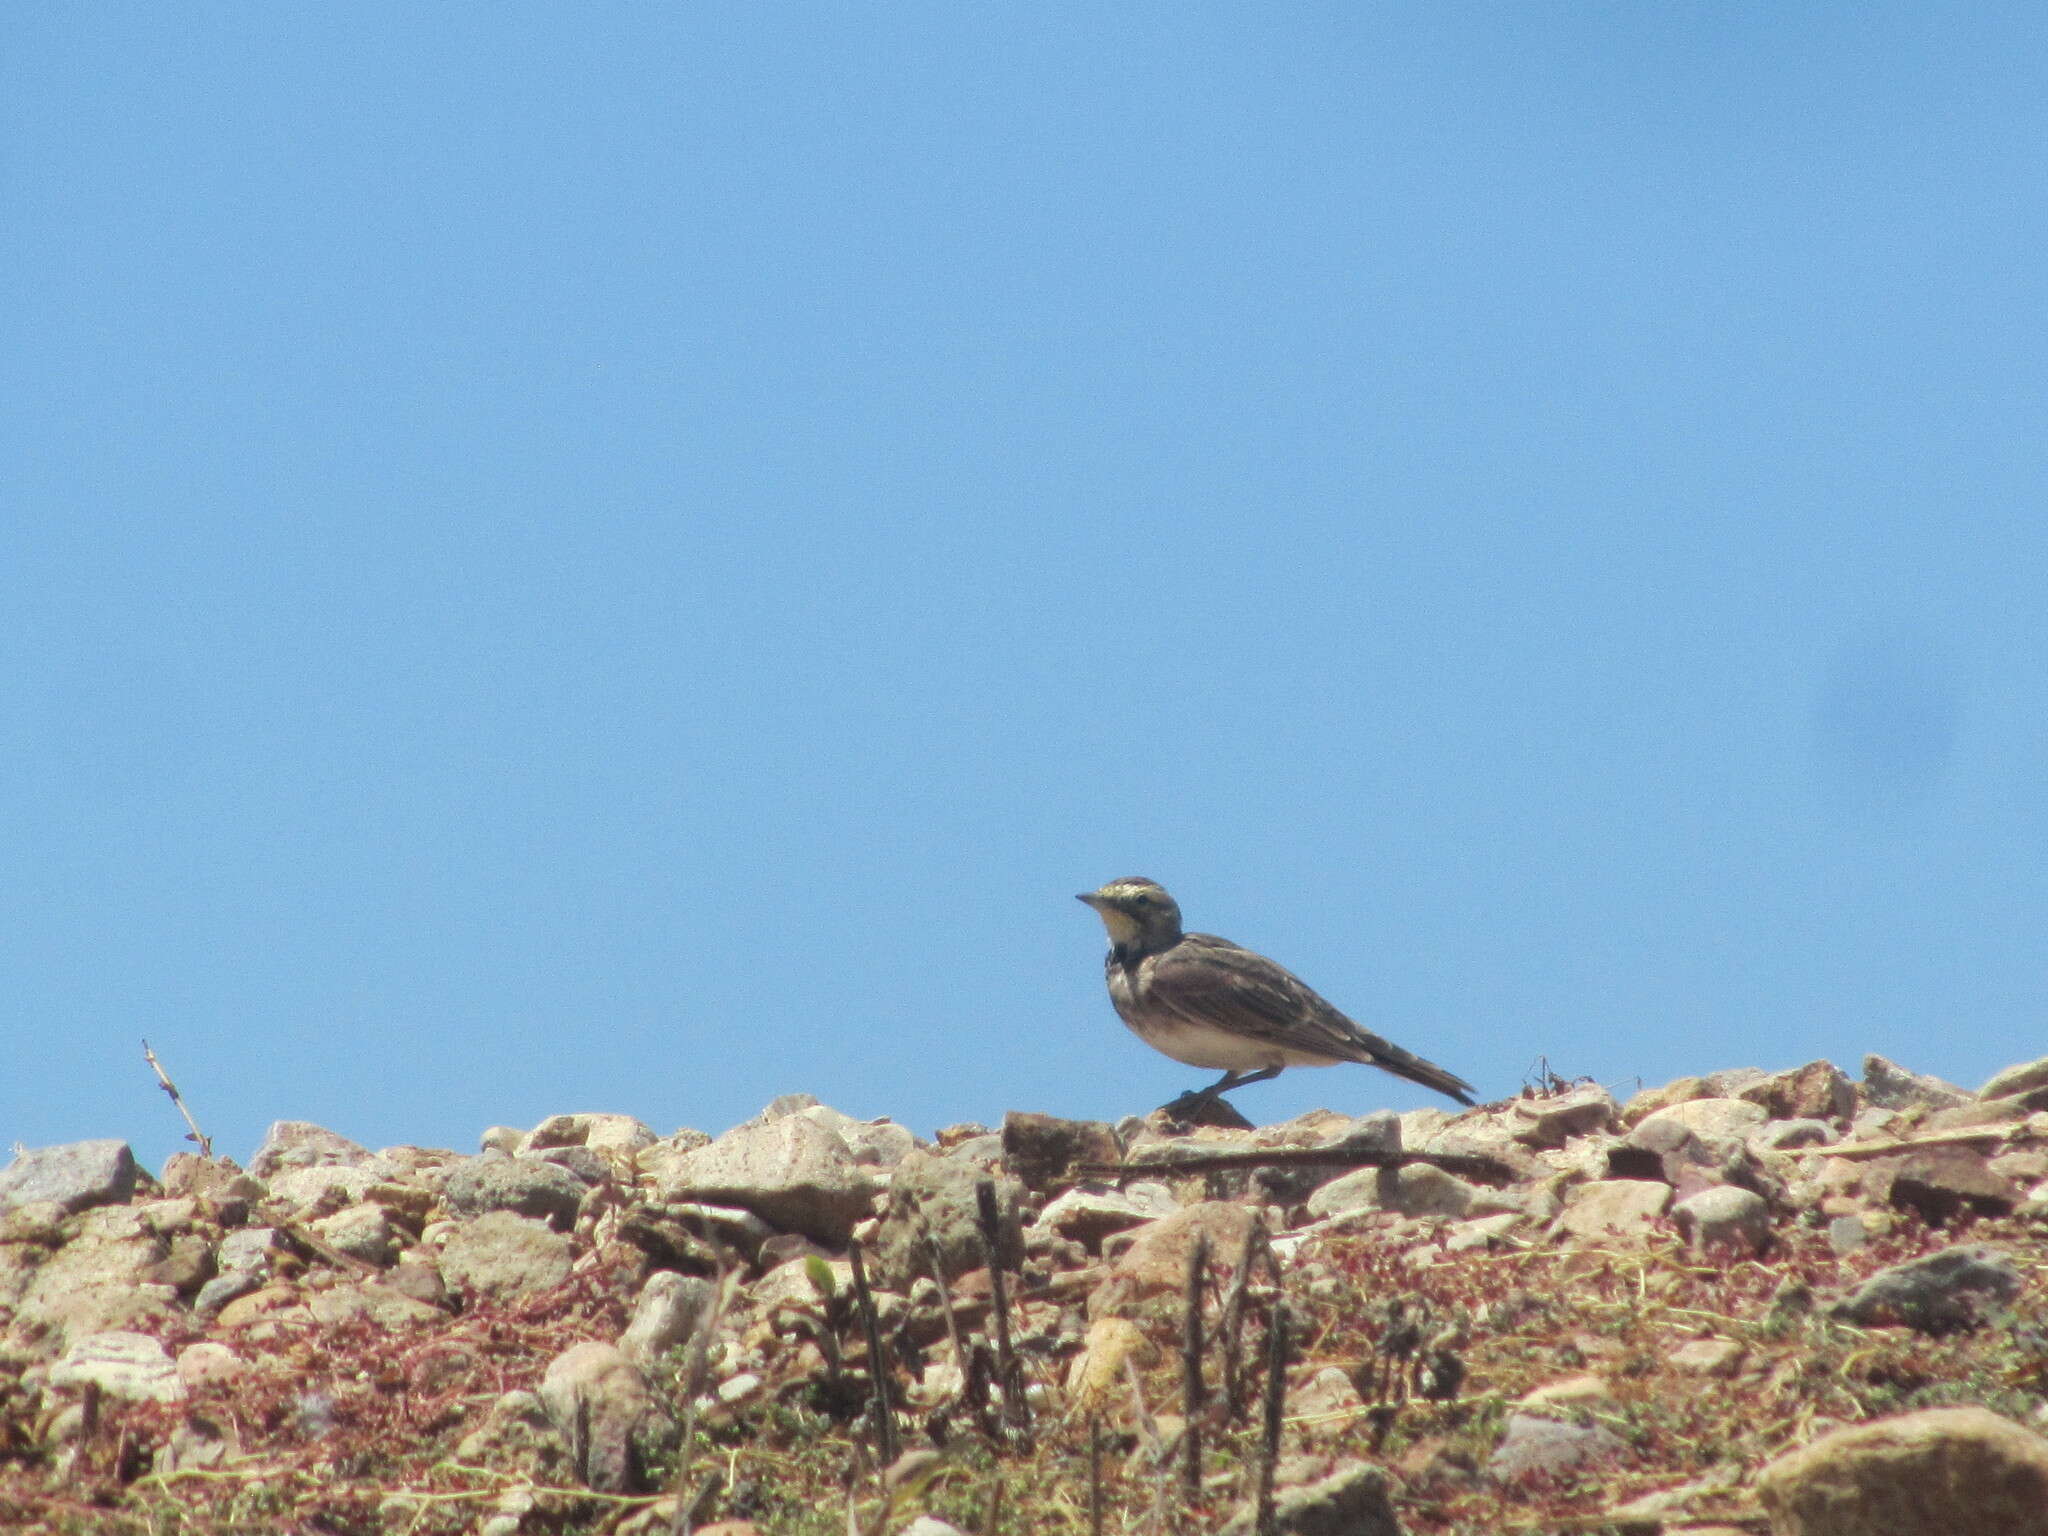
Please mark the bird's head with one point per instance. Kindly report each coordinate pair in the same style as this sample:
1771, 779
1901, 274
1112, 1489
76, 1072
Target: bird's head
1137, 912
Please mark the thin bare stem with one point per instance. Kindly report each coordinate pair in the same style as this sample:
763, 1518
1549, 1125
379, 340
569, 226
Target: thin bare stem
1193, 1392
1276, 1406
194, 1134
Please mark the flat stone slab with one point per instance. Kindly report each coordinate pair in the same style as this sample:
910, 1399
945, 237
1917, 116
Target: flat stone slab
75, 1175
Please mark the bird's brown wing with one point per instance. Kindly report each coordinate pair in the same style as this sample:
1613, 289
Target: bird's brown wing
1212, 981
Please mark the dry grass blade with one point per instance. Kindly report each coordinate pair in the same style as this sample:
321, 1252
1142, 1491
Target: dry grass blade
878, 1362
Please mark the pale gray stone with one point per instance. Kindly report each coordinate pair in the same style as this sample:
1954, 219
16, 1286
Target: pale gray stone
525, 1186
322, 1188
794, 1173
2017, 1080
1088, 1213
668, 1311
1847, 1233
121, 1364
301, 1144
1555, 1120
249, 1248
934, 1192
1613, 1209
1938, 1293
1790, 1135
620, 1135
385, 1305
500, 1254
1726, 1120
517, 1435
362, 1232
600, 1403
1725, 1217
103, 1280
1887, 1085
1532, 1444
73, 1176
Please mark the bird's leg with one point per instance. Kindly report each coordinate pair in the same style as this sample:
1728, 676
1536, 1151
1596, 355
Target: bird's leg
1194, 1098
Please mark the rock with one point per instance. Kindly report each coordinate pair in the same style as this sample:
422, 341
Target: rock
1938, 1472
1887, 1085
930, 1525
1817, 1091
322, 1189
386, 1306
1847, 1233
73, 1176
301, 1144
525, 1186
518, 1435
1940, 1184
1712, 1120
1569, 1391
614, 1135
1552, 1121
876, 1143
362, 1232
797, 1175
1678, 1091
1707, 1357
695, 1238
207, 1364
1326, 1404
500, 1254
1155, 1259
1789, 1135
1490, 1232
1606, 1209
1420, 1189
2014, 1082
1725, 1217
121, 1364
1095, 1381
223, 1288
1042, 1150
1693, 1146
1351, 1501
935, 1192
250, 1248
1534, 1444
1941, 1293
1088, 1213
601, 1406
668, 1311
98, 1282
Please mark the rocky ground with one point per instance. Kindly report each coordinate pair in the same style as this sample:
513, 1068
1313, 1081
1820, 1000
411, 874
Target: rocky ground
1795, 1302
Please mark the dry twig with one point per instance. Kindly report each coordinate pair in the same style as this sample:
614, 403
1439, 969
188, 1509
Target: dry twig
193, 1133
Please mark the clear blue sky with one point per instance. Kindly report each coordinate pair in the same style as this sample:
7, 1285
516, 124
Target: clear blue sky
635, 557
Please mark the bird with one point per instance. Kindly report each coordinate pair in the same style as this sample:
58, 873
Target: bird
1210, 1003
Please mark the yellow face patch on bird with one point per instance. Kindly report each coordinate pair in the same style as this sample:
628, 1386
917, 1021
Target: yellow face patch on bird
1133, 908
1123, 928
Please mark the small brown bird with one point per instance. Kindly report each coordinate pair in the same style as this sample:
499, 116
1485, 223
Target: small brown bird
1211, 1003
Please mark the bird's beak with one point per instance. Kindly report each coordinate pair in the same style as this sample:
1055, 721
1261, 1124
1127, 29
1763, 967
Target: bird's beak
1091, 898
